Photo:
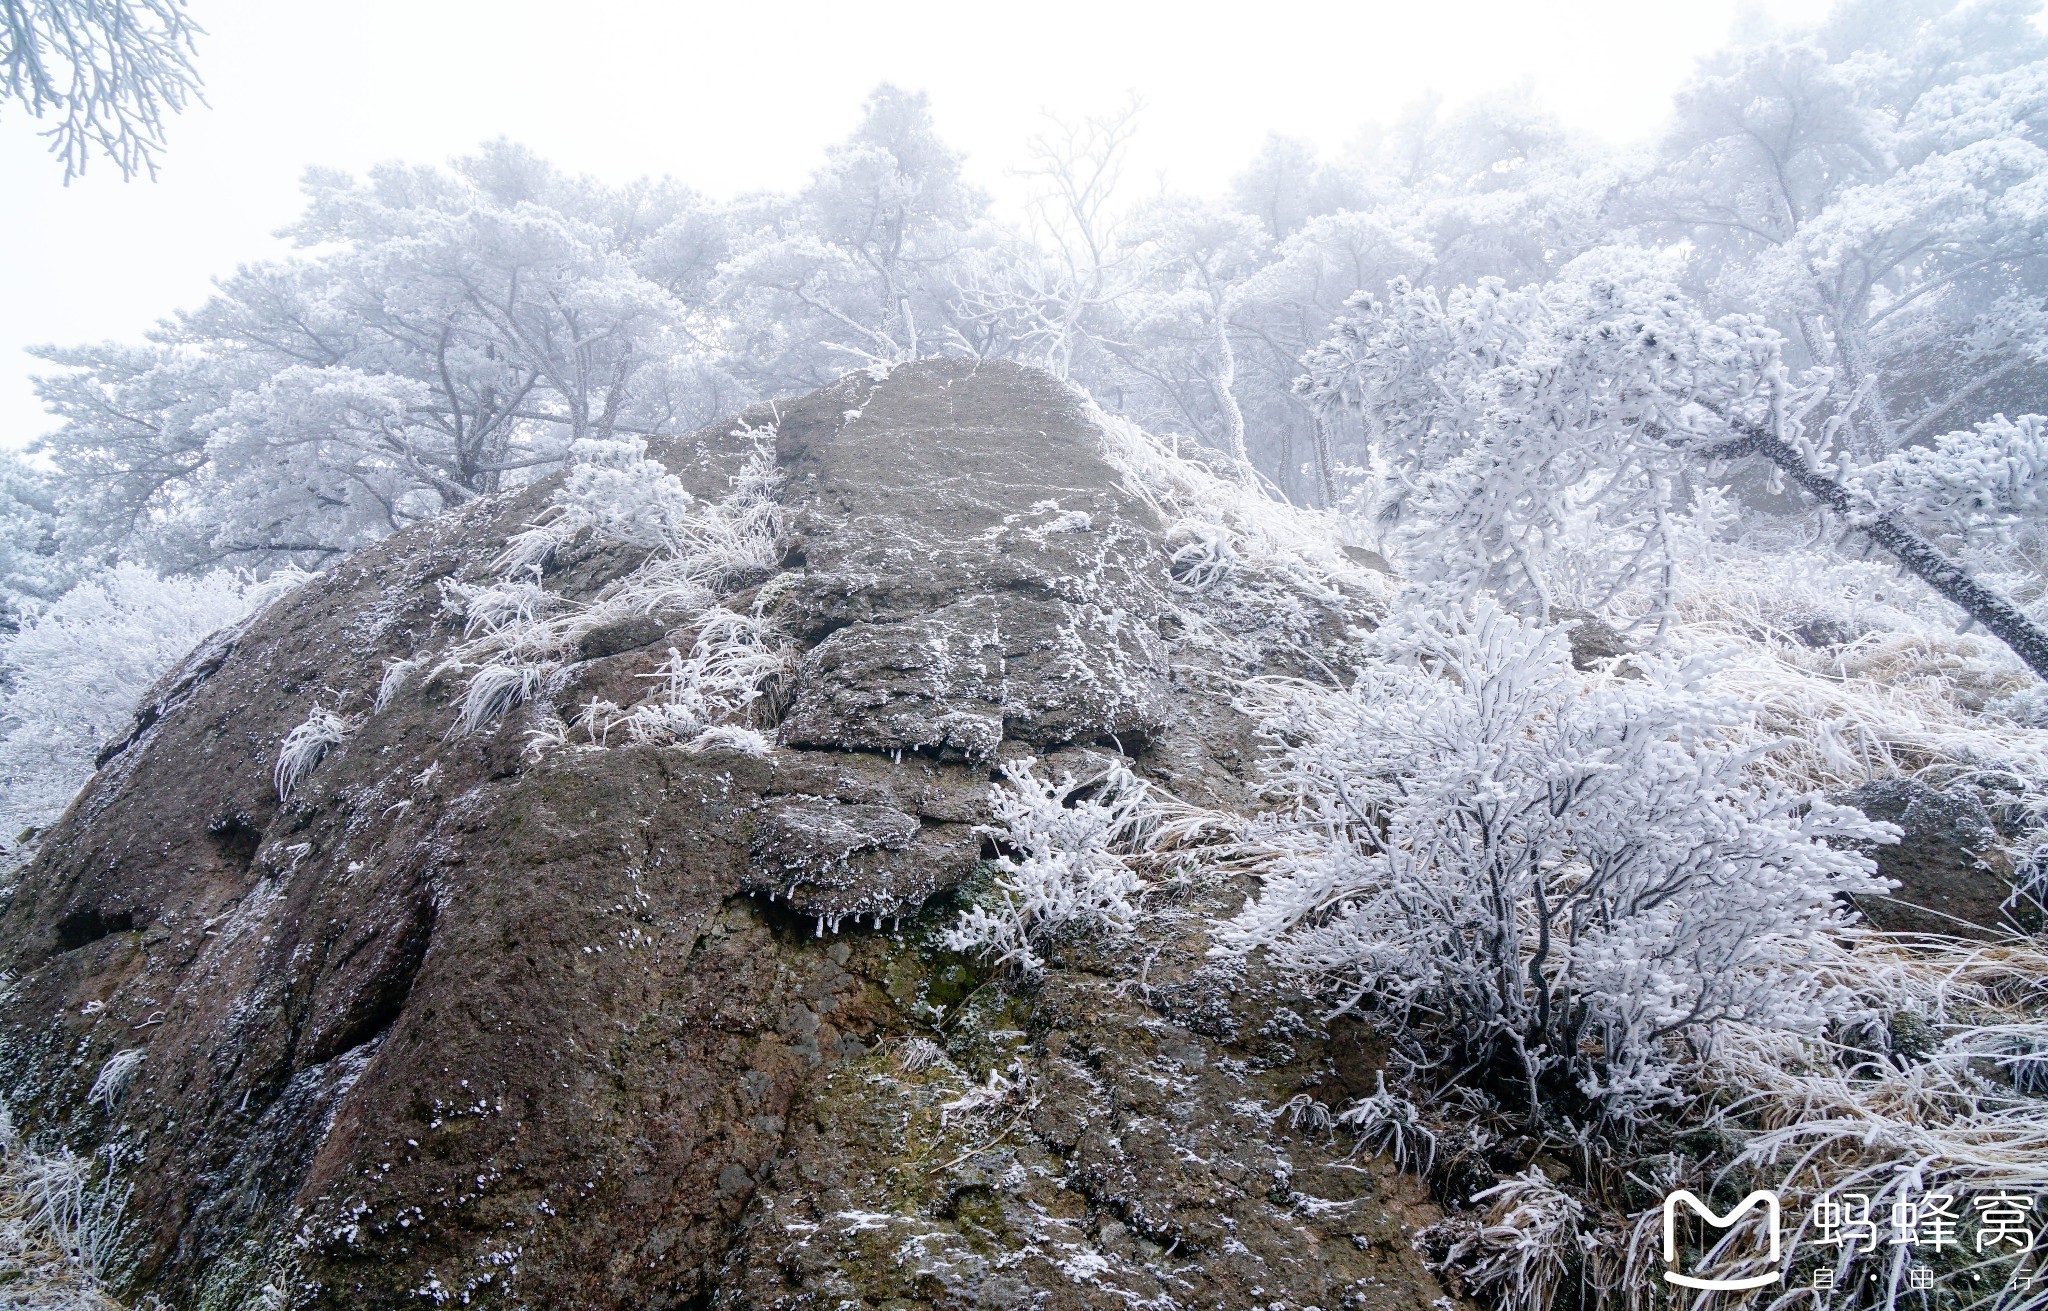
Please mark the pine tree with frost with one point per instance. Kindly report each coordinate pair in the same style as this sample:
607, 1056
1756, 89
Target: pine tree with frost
1547, 440
1982, 492
1564, 877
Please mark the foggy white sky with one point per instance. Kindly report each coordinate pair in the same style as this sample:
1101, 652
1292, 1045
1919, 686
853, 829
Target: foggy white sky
730, 97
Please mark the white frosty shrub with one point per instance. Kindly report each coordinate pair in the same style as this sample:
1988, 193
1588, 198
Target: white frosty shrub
71, 679
1557, 874
1060, 867
305, 747
1390, 1123
611, 486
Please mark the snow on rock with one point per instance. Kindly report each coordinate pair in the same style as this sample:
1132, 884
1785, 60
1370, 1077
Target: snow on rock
579, 974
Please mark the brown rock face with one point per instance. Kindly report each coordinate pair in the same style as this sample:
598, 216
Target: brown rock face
1952, 877
505, 1021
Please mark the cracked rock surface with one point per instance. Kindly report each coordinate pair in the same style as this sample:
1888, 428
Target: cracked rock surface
478, 1021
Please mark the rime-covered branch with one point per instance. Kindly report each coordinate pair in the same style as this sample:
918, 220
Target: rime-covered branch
106, 71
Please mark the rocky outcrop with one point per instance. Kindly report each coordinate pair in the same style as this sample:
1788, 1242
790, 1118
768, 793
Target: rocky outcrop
1950, 865
516, 1018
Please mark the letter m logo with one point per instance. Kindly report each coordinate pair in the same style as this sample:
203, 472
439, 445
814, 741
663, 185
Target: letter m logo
1763, 1196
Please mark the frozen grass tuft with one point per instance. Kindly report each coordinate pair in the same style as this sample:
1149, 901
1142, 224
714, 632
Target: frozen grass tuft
57, 1228
494, 690
518, 635
1518, 1252
305, 747
920, 1054
1390, 1124
396, 674
113, 1077
697, 696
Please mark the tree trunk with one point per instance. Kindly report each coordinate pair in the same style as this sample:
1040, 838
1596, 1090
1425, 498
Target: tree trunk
1326, 472
2003, 619
1225, 384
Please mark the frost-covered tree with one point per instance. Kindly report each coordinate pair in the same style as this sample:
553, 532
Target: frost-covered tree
104, 72
446, 334
860, 265
32, 569
1874, 187
1498, 189
1565, 878
1049, 295
1291, 304
75, 673
1176, 328
1551, 437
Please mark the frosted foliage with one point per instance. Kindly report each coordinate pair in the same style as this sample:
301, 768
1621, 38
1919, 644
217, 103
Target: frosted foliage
615, 490
1984, 490
519, 635
1959, 1113
32, 572
1235, 550
1564, 873
1903, 693
77, 671
625, 495
1869, 188
1985, 477
1539, 437
101, 76
436, 335
57, 1227
304, 747
1060, 869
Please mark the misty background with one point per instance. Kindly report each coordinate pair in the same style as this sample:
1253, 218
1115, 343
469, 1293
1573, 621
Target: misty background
723, 99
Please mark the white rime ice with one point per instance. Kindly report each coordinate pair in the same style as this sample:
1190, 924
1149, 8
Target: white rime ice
305, 746
1060, 868
518, 635
1569, 872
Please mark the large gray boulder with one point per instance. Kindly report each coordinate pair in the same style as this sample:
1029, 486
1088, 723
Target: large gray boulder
508, 1019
